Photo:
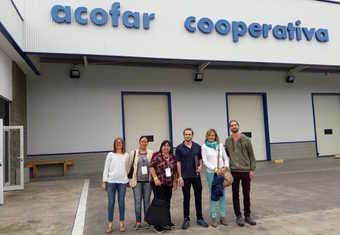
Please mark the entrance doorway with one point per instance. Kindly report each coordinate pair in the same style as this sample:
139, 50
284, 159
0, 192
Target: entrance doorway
11, 159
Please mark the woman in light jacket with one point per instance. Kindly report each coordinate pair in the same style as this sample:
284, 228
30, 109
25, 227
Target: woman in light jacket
210, 150
115, 180
140, 181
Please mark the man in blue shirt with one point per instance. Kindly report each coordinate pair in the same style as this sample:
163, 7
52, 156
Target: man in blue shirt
189, 165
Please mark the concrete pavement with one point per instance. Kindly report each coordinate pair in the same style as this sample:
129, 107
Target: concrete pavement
282, 196
297, 197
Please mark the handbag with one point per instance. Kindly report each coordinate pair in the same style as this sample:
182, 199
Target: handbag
158, 213
132, 168
228, 178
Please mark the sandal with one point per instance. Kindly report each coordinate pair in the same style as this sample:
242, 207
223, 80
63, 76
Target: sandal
121, 227
109, 228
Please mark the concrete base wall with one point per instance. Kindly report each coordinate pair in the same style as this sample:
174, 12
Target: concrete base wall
84, 164
287, 151
93, 163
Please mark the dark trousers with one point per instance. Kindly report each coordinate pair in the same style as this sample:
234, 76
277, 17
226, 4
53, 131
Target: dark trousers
197, 186
245, 181
163, 192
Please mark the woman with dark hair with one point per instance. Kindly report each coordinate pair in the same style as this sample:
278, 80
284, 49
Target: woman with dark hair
115, 180
139, 161
164, 177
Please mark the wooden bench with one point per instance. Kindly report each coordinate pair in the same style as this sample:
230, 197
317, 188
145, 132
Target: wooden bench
34, 165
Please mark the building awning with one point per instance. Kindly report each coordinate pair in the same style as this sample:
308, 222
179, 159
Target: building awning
156, 62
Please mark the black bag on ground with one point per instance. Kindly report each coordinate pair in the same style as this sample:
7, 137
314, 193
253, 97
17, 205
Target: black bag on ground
158, 213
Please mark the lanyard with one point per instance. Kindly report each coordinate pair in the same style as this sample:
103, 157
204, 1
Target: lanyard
144, 163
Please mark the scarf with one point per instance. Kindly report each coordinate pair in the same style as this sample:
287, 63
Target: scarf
211, 144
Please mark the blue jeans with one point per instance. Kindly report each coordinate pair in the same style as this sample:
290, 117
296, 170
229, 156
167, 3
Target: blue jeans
210, 177
142, 191
111, 189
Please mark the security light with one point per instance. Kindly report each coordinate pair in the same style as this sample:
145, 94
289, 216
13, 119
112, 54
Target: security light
74, 72
198, 77
290, 79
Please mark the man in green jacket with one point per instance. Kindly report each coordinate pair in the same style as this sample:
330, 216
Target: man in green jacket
242, 165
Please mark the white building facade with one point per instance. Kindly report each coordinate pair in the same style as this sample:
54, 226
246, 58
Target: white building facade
272, 65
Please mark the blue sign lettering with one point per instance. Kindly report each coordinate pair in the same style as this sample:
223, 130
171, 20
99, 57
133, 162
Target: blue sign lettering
205, 25
255, 30
61, 14
131, 19
78, 13
115, 13
322, 35
222, 27
240, 29
100, 17
189, 22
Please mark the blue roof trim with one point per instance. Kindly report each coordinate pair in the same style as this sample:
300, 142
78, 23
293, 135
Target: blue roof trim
15, 7
15, 45
329, 1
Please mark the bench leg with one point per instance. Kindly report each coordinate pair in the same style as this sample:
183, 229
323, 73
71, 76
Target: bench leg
65, 169
35, 171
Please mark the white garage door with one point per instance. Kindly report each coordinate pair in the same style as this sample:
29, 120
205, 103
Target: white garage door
327, 123
146, 115
248, 110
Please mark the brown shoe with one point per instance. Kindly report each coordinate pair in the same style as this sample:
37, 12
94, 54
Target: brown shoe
223, 221
109, 228
213, 222
121, 227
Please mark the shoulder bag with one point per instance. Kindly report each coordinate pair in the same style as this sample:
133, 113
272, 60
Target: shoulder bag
132, 168
228, 178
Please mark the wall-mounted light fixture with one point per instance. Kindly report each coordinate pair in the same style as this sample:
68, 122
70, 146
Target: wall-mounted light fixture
74, 72
292, 73
290, 79
199, 74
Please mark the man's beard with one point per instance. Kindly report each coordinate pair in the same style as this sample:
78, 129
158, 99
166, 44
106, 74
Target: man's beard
234, 131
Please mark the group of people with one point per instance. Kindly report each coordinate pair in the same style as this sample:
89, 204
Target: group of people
162, 172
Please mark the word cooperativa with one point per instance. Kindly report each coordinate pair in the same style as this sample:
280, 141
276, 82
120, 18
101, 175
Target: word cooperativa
238, 29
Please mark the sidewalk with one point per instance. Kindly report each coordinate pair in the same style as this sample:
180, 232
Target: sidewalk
281, 194
44, 207
299, 197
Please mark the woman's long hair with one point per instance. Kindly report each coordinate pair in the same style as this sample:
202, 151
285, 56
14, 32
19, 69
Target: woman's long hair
164, 143
115, 143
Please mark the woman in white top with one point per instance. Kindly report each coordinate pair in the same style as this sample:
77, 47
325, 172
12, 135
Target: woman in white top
210, 150
115, 180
